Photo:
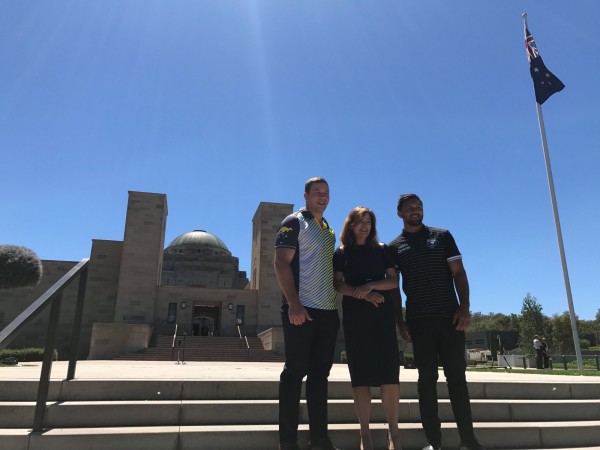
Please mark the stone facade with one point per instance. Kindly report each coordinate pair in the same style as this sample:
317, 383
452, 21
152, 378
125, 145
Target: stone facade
265, 224
128, 299
141, 258
14, 301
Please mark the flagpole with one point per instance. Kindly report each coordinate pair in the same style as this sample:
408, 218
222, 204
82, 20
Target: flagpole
558, 230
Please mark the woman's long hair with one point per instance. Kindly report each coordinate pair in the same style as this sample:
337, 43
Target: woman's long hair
356, 215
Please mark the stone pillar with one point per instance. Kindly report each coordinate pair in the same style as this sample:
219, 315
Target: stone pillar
265, 224
141, 260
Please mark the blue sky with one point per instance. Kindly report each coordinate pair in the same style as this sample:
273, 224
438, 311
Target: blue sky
224, 104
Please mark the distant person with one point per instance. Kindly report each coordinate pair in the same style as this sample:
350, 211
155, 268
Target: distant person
545, 353
303, 266
364, 272
539, 352
432, 275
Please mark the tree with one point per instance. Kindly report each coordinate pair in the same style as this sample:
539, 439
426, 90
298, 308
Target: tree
588, 330
562, 335
511, 322
597, 331
532, 322
494, 322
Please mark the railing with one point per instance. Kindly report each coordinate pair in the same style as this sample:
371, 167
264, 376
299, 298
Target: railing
569, 358
52, 297
246, 339
173, 344
555, 362
181, 350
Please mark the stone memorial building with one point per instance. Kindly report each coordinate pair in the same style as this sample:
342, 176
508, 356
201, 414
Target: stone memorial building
138, 287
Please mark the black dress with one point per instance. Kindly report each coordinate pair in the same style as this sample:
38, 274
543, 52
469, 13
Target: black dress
369, 331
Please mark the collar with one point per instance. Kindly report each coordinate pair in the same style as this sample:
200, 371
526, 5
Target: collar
308, 215
424, 231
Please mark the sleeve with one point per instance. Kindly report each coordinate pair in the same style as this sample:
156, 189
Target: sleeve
392, 248
287, 235
339, 260
388, 257
452, 252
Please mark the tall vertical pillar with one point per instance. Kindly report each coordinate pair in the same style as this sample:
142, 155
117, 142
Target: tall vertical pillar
265, 224
141, 260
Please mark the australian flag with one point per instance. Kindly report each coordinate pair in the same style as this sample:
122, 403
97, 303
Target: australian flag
545, 83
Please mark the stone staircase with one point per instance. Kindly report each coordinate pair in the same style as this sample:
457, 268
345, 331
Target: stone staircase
214, 414
204, 348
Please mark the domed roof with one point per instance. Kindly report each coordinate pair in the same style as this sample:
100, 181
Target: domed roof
195, 240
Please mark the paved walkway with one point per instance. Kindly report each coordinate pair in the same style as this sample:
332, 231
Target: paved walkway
210, 370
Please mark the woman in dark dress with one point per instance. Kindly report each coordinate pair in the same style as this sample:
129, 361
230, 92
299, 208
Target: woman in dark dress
363, 273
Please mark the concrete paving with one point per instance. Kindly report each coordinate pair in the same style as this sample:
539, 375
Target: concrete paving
499, 398
235, 371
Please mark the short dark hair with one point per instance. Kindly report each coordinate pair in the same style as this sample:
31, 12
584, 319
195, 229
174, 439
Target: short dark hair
406, 197
312, 181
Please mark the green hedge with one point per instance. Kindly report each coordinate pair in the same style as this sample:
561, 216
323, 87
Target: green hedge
26, 354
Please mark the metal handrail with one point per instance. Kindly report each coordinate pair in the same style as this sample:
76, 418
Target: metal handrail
52, 297
173, 344
181, 350
246, 339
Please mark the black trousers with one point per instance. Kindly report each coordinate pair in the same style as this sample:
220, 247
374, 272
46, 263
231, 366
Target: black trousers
539, 358
436, 340
309, 350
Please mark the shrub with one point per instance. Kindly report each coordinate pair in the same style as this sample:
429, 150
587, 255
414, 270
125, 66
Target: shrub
26, 354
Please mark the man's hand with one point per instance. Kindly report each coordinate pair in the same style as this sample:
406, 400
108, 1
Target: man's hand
298, 314
375, 298
462, 318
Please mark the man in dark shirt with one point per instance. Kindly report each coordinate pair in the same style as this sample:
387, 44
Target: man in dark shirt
303, 264
432, 274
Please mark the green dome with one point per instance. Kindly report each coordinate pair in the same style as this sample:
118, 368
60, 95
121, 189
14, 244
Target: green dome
196, 240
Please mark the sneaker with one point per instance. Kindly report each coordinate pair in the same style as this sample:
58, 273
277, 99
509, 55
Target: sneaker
474, 446
288, 446
431, 447
321, 444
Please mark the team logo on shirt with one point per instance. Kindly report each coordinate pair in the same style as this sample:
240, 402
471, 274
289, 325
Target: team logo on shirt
403, 248
431, 243
284, 229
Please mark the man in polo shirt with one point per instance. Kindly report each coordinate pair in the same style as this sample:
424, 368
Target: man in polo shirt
432, 274
303, 265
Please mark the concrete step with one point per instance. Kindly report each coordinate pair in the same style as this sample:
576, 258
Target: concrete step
177, 389
75, 414
533, 435
204, 348
234, 406
188, 356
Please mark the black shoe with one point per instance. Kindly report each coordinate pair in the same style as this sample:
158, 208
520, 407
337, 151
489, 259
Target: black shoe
288, 446
474, 446
321, 444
